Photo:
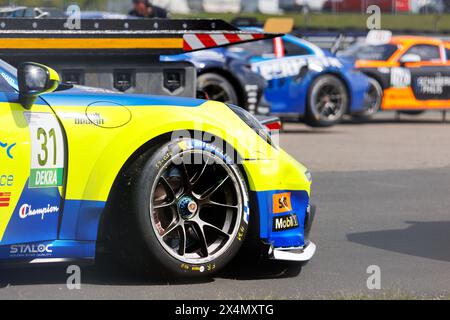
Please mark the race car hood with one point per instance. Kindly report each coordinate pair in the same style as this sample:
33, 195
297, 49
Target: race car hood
88, 96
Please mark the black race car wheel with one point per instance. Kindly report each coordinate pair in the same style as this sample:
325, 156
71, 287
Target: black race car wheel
374, 98
327, 102
191, 208
217, 88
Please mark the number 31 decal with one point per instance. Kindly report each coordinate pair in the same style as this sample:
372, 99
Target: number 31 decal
47, 151
42, 134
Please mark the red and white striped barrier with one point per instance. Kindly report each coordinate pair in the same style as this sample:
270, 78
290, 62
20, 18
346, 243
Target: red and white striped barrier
200, 41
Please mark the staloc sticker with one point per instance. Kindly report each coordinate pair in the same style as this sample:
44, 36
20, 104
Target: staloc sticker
47, 151
31, 250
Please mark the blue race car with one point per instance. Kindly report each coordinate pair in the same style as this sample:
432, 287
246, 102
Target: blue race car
302, 80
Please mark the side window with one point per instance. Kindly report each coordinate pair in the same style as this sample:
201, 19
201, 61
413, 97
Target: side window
257, 48
292, 49
447, 52
29, 13
18, 13
426, 52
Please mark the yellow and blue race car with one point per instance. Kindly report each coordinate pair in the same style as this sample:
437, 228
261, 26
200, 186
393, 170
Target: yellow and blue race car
172, 186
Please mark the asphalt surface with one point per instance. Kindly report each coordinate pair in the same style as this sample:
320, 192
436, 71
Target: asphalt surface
383, 192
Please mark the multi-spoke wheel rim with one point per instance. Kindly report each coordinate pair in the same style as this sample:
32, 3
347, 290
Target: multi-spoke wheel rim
216, 92
196, 208
330, 102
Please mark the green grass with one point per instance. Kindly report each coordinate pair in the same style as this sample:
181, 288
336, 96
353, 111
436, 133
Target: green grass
357, 21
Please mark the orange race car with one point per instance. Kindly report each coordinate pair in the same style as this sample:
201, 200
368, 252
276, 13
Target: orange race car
408, 73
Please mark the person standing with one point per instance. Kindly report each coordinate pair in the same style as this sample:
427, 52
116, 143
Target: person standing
145, 9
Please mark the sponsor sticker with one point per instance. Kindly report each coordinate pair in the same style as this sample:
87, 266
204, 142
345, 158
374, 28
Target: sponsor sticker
400, 77
6, 180
5, 199
31, 250
282, 203
285, 223
46, 178
8, 149
433, 85
94, 118
291, 66
27, 210
47, 151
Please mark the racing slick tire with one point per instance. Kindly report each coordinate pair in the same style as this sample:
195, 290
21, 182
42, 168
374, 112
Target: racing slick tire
327, 103
217, 88
191, 208
374, 98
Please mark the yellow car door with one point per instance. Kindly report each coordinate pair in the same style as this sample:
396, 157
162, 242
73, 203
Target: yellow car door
32, 162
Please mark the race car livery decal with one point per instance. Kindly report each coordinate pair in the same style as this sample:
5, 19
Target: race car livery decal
31, 250
48, 251
35, 217
400, 78
5, 198
47, 150
8, 148
291, 66
6, 180
285, 223
431, 84
14, 160
282, 203
284, 229
27, 210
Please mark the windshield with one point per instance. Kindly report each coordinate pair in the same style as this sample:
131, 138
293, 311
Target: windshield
369, 52
8, 77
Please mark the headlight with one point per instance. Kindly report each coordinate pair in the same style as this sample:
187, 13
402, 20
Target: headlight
308, 176
252, 122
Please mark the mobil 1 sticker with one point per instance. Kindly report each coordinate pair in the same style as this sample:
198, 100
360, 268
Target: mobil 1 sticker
47, 151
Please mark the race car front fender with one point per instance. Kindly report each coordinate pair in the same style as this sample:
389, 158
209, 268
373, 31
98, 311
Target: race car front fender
281, 197
358, 84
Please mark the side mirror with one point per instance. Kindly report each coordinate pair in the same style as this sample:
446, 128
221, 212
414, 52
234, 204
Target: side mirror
409, 58
35, 79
